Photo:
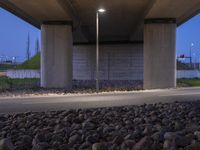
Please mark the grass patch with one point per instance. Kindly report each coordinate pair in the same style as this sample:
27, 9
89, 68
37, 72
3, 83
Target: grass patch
10, 84
4, 67
188, 82
33, 63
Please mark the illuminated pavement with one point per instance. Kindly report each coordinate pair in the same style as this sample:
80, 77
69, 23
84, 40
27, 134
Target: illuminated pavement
45, 103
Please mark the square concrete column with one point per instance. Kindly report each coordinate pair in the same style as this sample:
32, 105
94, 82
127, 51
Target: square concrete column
56, 55
159, 53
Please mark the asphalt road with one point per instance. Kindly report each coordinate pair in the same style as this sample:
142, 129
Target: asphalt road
45, 103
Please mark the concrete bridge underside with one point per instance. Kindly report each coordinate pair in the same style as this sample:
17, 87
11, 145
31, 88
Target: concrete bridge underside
64, 22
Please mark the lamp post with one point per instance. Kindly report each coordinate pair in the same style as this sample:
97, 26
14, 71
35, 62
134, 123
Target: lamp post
97, 47
192, 44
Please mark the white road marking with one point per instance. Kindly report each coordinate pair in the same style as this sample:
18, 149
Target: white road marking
180, 94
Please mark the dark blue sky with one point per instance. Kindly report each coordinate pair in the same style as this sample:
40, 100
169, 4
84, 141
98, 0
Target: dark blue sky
13, 35
14, 31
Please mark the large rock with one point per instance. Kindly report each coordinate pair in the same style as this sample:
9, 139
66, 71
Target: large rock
158, 136
127, 145
6, 144
118, 140
183, 141
197, 134
169, 136
195, 146
87, 125
27, 140
99, 146
74, 139
40, 137
144, 144
166, 144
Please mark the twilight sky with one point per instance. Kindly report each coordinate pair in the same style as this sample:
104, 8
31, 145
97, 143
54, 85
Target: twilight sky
13, 36
14, 32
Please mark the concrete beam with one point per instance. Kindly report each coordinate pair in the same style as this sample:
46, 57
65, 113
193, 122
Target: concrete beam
186, 16
159, 53
20, 13
71, 11
138, 27
56, 55
180, 9
113, 25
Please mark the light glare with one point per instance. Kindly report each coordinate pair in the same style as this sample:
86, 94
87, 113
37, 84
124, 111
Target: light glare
101, 10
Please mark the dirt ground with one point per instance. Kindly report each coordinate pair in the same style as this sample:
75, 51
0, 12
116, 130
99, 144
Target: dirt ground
2, 74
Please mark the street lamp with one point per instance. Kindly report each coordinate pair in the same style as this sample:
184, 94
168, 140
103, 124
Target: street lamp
101, 10
192, 44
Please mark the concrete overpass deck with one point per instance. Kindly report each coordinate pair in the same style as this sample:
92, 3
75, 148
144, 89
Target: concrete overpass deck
123, 20
151, 23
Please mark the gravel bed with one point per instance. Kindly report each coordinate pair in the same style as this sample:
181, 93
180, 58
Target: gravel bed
61, 92
169, 126
79, 87
37, 92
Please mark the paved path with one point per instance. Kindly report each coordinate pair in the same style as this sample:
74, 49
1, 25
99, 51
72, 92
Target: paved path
11, 105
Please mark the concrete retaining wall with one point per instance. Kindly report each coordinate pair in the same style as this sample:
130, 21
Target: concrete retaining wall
117, 62
36, 74
188, 74
21, 74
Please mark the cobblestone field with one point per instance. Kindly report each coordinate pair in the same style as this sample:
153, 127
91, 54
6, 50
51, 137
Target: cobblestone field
169, 126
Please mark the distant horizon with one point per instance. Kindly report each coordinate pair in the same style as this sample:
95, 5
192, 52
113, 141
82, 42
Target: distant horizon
14, 32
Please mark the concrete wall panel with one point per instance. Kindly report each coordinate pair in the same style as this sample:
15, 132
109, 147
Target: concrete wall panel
117, 62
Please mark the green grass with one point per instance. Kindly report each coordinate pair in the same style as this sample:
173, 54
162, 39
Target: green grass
33, 63
4, 67
13, 84
182, 66
188, 82
10, 84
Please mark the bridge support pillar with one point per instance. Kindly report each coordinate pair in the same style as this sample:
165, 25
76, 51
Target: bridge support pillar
159, 53
56, 54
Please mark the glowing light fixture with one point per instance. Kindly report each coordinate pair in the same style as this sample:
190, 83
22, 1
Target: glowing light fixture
101, 10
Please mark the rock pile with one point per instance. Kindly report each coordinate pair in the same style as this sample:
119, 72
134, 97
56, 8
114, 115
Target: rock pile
171, 126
